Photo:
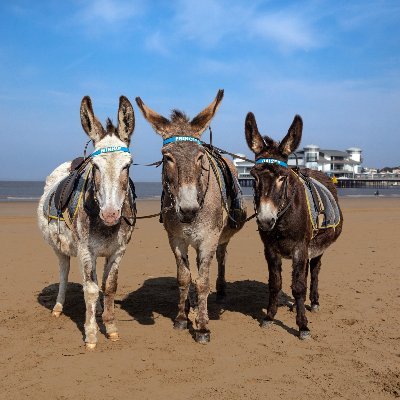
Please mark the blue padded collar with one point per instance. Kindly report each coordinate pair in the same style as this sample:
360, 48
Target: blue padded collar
111, 149
181, 139
271, 161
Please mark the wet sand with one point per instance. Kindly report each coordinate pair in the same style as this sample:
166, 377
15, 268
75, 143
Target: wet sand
354, 352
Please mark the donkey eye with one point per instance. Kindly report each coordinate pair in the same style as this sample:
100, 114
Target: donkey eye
169, 158
200, 159
282, 178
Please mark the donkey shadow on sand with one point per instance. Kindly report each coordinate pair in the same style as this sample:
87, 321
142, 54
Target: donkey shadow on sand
74, 307
158, 296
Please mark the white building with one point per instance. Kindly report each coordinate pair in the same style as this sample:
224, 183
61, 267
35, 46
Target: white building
332, 162
243, 167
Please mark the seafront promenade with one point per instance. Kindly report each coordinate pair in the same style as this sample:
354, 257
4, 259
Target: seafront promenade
347, 183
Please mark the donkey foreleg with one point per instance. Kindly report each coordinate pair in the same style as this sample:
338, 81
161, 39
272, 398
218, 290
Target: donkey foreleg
180, 250
109, 287
91, 294
315, 267
99, 309
221, 283
64, 265
299, 290
204, 255
274, 262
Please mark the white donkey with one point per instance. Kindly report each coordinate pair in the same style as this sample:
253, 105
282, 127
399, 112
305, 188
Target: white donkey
102, 223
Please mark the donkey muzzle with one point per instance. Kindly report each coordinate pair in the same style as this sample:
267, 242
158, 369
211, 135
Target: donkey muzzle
187, 203
187, 214
266, 225
110, 216
266, 216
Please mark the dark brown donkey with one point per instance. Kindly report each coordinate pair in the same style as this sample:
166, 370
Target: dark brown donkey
193, 212
283, 218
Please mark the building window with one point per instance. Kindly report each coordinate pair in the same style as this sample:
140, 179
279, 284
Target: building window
312, 157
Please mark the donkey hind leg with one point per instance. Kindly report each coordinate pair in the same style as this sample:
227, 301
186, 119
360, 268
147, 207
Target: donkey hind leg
91, 295
221, 283
204, 256
274, 262
180, 249
64, 265
299, 290
109, 288
315, 267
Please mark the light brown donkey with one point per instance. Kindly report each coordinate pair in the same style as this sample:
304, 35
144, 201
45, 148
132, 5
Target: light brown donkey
103, 218
192, 207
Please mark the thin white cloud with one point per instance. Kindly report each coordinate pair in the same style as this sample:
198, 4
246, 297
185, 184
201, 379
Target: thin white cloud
210, 22
156, 42
286, 31
109, 11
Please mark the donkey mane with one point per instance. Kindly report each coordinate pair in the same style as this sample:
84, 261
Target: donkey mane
270, 142
110, 128
178, 116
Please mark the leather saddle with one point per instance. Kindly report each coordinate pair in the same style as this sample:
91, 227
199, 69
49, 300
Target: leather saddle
65, 188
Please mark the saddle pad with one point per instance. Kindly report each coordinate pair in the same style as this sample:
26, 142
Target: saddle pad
49, 207
327, 205
231, 192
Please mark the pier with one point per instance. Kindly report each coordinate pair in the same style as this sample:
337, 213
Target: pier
369, 183
348, 183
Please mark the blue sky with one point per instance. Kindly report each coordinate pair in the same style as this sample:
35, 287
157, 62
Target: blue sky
336, 63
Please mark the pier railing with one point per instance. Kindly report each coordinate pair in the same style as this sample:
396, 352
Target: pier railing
348, 183
368, 183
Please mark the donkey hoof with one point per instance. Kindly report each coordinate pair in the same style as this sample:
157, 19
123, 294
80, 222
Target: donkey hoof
180, 325
202, 337
90, 346
266, 323
114, 336
314, 308
55, 313
304, 335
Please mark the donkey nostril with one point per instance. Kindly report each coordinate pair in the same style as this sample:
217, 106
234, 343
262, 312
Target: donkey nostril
188, 211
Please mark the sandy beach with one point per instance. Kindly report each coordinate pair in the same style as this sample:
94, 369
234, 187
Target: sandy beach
354, 352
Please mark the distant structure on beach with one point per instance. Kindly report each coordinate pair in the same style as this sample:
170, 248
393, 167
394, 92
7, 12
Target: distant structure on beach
341, 164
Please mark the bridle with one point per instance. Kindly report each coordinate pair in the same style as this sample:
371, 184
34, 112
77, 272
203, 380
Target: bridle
91, 182
287, 201
166, 183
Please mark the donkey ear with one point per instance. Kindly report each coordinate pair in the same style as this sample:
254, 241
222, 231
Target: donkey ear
253, 137
90, 123
200, 122
126, 120
292, 140
159, 123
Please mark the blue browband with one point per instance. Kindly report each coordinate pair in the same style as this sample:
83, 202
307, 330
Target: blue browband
111, 149
271, 161
181, 139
